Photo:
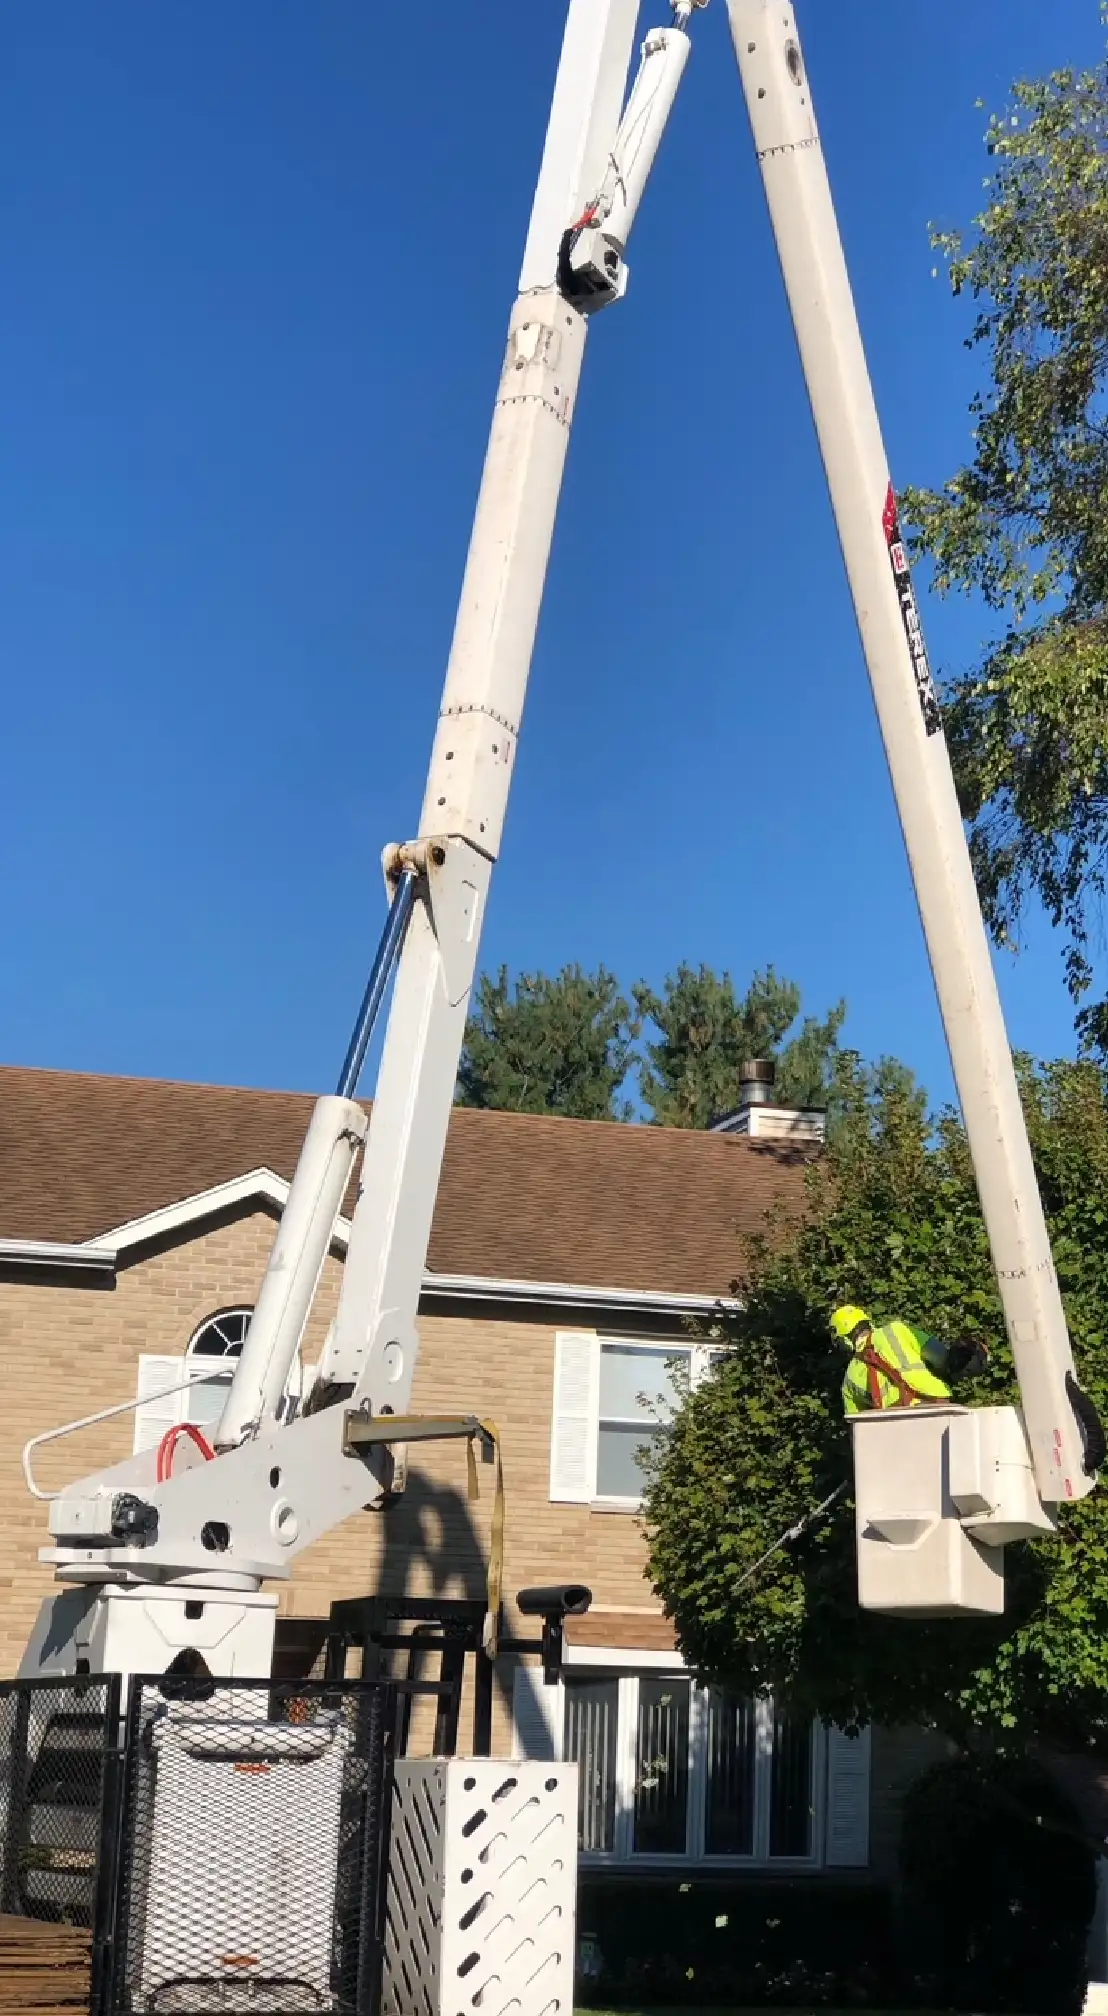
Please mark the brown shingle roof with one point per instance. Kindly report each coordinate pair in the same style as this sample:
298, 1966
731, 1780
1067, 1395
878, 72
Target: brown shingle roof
523, 1197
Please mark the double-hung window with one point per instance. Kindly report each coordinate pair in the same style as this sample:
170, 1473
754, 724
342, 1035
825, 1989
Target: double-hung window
671, 1771
613, 1400
195, 1388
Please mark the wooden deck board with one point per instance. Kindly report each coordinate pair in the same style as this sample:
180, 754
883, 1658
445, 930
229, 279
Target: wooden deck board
43, 1968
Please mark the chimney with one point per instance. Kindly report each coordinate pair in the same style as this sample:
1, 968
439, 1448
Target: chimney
759, 1114
756, 1083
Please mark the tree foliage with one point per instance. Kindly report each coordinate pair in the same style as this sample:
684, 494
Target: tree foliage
548, 1044
706, 1033
892, 1222
569, 1044
1023, 525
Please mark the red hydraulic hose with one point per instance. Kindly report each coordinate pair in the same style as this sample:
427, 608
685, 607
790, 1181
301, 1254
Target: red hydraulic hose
169, 1443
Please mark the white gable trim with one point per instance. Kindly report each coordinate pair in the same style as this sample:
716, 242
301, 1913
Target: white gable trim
264, 1185
257, 1185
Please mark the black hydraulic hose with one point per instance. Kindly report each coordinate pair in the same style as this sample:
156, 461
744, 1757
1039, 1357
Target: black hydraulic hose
388, 952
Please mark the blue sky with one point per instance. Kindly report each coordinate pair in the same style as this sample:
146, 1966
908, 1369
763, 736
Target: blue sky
258, 262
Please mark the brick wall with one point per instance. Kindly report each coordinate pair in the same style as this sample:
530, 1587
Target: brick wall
69, 1350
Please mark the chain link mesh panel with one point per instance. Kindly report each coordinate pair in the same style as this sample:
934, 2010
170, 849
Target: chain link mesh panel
57, 1743
251, 1850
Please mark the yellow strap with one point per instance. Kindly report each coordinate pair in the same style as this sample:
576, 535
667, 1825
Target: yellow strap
494, 1579
495, 1572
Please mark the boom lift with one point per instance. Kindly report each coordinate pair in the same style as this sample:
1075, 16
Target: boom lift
938, 1490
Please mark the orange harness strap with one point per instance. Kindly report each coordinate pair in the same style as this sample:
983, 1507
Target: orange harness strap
876, 1366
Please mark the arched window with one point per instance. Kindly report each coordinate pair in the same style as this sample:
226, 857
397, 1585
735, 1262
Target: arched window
219, 1337
209, 1366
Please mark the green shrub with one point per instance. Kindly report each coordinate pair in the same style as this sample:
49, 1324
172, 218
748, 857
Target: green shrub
737, 1941
998, 1888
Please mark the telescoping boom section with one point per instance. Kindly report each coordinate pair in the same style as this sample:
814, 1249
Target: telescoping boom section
139, 1540
938, 1490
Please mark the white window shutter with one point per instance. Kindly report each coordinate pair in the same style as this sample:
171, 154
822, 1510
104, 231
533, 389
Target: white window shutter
848, 1777
574, 1427
537, 1712
152, 1415
203, 1402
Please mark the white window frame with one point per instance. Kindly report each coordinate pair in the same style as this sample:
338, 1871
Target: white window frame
576, 1409
623, 1855
205, 1365
157, 1372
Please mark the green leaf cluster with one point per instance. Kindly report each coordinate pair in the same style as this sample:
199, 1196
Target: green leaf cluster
892, 1222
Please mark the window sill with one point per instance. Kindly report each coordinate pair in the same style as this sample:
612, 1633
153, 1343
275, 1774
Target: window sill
706, 1865
630, 1507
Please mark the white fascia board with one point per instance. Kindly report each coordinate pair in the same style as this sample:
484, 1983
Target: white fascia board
581, 1295
265, 1185
621, 1658
96, 1256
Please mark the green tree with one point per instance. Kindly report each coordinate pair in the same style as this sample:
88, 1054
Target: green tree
1023, 525
706, 1033
548, 1044
891, 1221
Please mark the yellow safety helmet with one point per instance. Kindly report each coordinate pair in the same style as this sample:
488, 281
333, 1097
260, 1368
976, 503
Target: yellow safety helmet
847, 1320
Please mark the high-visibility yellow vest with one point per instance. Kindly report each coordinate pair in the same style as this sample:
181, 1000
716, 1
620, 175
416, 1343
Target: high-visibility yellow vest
914, 1354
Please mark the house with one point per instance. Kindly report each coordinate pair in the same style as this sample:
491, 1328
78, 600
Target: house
566, 1260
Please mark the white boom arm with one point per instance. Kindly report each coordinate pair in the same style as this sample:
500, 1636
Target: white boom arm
779, 100
280, 1484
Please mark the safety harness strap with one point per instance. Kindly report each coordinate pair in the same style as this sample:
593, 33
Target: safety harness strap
879, 1368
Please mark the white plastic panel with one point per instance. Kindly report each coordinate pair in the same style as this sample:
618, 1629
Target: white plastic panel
481, 1889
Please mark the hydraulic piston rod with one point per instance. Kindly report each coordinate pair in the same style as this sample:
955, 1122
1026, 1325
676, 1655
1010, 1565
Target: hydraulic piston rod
388, 952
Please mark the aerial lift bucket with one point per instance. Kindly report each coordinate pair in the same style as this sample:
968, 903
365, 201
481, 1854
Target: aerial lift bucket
938, 1493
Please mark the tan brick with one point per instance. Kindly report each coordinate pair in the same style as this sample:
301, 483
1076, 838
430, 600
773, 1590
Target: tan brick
71, 1350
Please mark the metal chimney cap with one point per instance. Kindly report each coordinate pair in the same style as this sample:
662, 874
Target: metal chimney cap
758, 1071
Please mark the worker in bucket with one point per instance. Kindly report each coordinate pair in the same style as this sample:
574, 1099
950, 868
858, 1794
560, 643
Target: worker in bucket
899, 1365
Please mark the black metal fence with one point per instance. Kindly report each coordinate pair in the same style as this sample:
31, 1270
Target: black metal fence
223, 1843
60, 1781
